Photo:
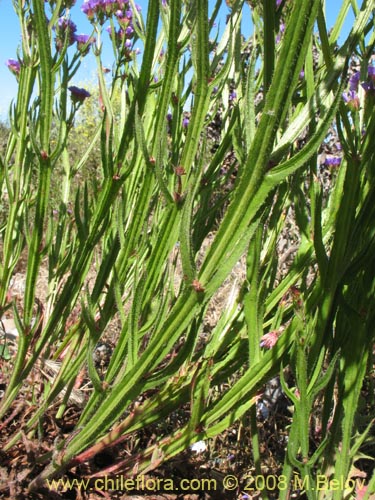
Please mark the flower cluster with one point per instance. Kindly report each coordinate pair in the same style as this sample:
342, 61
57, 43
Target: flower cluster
122, 38
84, 43
101, 10
65, 28
78, 95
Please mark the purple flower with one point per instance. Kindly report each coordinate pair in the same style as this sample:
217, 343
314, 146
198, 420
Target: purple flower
232, 96
65, 28
281, 31
129, 31
269, 339
371, 72
121, 40
354, 81
278, 3
355, 78
369, 87
352, 100
333, 161
349, 96
124, 18
185, 122
301, 74
14, 66
88, 8
78, 95
66, 24
100, 10
83, 39
83, 43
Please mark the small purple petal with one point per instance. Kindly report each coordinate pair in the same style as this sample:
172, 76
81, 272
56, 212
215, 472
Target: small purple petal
82, 38
368, 87
333, 161
349, 96
14, 66
232, 96
83, 43
371, 72
269, 339
129, 31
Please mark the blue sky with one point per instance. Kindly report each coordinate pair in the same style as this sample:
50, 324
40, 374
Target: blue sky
10, 39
